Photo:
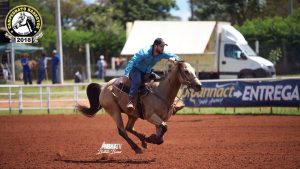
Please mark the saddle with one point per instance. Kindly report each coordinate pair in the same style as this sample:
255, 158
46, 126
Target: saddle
121, 88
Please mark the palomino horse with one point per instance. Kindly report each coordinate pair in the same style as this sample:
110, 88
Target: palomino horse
157, 104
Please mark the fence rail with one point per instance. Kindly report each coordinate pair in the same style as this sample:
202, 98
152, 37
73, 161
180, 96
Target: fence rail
42, 97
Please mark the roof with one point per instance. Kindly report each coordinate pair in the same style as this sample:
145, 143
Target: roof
182, 37
19, 47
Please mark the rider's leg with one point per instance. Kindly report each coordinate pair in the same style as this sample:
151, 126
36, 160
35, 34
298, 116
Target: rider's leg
136, 78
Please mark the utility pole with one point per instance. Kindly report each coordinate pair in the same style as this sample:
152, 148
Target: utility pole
88, 63
59, 42
290, 7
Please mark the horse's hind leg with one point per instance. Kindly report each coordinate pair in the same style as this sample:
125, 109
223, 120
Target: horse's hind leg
122, 132
130, 129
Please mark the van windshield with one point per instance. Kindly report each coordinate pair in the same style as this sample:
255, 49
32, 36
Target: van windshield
248, 50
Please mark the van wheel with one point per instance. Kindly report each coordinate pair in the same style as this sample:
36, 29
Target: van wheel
248, 75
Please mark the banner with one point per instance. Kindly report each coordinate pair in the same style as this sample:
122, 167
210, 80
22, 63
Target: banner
245, 94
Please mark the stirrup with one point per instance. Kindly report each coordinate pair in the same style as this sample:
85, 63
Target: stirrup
130, 106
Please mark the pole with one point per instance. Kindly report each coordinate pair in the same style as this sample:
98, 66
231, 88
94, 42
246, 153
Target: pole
88, 62
13, 63
257, 47
290, 7
59, 42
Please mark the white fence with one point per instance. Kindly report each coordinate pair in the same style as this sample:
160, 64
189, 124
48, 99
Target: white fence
42, 97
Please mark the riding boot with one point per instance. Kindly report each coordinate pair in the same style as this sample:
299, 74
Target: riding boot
130, 105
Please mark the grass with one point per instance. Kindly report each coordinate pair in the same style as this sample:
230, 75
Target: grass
44, 112
242, 110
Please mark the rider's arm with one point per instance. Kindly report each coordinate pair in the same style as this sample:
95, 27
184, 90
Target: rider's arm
170, 56
134, 60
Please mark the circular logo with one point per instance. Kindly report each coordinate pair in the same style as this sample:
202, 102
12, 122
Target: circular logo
23, 21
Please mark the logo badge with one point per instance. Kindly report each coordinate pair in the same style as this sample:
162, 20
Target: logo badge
110, 148
23, 24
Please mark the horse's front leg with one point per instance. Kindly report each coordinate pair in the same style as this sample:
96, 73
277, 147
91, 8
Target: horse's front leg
130, 129
161, 129
116, 115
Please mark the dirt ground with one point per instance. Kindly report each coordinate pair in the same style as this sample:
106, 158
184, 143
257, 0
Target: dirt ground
192, 141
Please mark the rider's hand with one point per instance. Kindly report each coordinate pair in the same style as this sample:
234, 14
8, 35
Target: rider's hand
172, 60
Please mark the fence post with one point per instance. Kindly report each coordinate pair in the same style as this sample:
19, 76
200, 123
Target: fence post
20, 100
48, 100
271, 110
9, 99
41, 97
75, 91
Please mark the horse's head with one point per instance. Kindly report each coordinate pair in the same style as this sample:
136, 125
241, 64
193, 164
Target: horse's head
187, 76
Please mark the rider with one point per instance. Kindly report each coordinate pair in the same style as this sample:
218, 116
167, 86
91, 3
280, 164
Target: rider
142, 63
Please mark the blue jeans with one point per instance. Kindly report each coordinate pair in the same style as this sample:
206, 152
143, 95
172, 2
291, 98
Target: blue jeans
54, 74
136, 79
41, 75
27, 75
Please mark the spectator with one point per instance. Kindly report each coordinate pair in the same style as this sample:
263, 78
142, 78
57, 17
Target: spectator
101, 64
42, 68
78, 77
55, 62
26, 69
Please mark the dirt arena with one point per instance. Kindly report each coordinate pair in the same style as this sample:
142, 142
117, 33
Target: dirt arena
192, 141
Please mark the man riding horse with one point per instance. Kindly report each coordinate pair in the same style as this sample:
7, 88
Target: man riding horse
157, 106
142, 63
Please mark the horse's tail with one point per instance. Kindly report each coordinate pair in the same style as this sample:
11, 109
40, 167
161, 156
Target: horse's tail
93, 92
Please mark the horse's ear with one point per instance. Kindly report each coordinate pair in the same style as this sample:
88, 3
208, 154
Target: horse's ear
180, 63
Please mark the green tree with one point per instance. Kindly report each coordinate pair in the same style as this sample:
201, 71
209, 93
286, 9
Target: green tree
275, 33
238, 11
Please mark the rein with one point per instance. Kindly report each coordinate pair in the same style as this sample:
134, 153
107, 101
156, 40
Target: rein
185, 82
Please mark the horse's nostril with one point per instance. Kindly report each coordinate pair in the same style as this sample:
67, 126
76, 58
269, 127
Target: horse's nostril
199, 87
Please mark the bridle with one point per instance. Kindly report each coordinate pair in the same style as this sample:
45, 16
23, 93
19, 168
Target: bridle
184, 79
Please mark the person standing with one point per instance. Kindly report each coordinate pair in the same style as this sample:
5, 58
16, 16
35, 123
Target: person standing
101, 64
26, 69
42, 68
55, 63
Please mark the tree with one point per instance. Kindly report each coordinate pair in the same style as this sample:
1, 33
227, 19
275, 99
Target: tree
276, 33
235, 11
238, 11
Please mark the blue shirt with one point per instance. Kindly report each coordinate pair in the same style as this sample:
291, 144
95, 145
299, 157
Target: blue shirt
25, 64
55, 61
41, 63
144, 61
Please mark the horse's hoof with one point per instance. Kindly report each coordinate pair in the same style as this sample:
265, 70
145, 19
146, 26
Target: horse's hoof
159, 142
151, 139
138, 151
144, 145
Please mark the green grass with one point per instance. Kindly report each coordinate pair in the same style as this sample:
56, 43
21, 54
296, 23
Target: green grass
250, 110
44, 112
287, 76
56, 91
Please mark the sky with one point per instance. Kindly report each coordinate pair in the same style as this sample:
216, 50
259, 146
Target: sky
183, 11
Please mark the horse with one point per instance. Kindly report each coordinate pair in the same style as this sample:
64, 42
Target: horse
157, 104
24, 20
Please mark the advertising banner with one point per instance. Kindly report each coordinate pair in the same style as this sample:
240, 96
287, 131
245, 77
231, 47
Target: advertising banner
245, 94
